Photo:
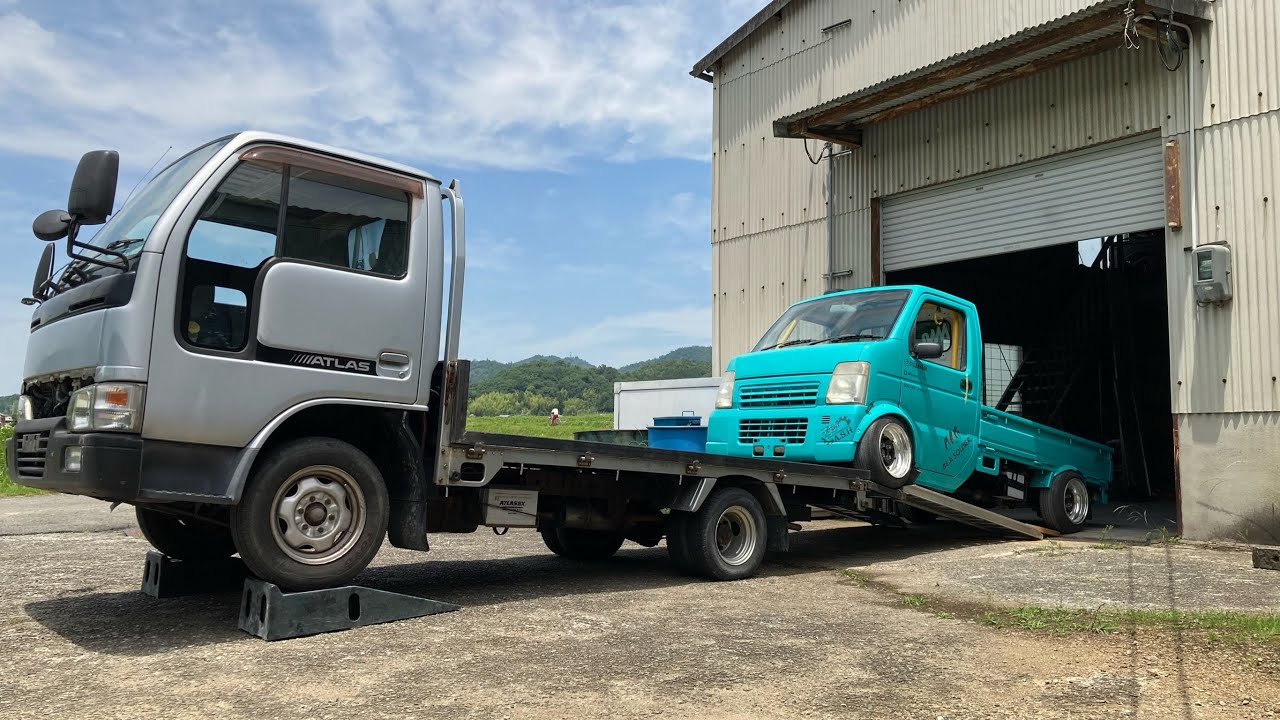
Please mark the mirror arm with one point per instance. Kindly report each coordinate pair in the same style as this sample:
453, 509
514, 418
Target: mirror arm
122, 266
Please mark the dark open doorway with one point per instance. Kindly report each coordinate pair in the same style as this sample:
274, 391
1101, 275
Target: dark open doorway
1079, 343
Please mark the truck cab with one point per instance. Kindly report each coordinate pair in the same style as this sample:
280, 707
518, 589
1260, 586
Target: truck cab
256, 289
890, 379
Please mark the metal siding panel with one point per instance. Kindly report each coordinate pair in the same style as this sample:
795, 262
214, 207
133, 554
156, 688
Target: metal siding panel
1029, 206
1238, 343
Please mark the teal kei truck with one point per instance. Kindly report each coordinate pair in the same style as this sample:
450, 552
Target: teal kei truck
890, 380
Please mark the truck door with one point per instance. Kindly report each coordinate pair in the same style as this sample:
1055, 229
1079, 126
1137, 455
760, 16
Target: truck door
290, 277
942, 394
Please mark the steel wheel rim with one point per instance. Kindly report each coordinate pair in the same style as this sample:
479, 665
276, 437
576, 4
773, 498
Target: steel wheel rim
1076, 501
895, 450
736, 535
318, 515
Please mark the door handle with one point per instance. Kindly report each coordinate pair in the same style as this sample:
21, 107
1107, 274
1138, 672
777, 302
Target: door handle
965, 385
393, 358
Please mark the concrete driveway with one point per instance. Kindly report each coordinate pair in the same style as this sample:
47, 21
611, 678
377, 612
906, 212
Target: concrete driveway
540, 637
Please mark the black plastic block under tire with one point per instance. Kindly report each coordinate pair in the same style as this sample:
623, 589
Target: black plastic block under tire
251, 520
184, 539
701, 551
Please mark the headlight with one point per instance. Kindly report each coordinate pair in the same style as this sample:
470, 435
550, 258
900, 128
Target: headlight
106, 406
26, 408
724, 398
848, 384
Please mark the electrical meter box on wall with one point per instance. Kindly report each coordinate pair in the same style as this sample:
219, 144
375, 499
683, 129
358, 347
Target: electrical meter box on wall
1212, 279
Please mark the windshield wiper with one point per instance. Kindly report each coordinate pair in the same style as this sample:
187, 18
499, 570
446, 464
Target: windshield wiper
847, 338
789, 343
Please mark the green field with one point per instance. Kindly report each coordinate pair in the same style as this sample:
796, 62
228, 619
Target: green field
537, 426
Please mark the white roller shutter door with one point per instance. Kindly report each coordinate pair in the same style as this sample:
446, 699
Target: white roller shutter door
1106, 190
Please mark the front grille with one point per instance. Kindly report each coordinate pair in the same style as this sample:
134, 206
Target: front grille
31, 461
791, 394
789, 431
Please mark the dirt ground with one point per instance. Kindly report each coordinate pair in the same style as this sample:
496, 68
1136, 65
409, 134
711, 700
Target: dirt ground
540, 637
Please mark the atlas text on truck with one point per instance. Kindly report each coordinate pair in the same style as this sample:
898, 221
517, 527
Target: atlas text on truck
890, 379
251, 351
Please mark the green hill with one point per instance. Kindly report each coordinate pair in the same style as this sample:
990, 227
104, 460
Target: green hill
8, 405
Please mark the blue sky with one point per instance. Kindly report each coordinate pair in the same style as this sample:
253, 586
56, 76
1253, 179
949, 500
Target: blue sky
580, 140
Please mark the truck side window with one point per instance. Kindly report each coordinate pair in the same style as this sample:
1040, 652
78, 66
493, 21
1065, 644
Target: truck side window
346, 223
940, 324
233, 235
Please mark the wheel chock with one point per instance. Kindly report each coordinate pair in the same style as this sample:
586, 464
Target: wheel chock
166, 577
272, 614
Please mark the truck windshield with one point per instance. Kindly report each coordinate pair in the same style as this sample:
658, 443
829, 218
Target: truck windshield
128, 228
836, 318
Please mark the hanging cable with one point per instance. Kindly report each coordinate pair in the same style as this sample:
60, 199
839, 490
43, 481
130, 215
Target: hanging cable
822, 154
1170, 44
1130, 27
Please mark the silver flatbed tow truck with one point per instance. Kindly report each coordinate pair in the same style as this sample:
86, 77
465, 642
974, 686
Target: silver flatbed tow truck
250, 352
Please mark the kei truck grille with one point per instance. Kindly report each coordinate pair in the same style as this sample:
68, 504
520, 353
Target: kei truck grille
789, 431
793, 394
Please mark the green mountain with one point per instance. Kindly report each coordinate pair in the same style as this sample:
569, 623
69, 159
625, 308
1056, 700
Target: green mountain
9, 405
535, 385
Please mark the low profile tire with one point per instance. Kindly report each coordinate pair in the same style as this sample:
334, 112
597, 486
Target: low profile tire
184, 539
1065, 504
726, 538
579, 544
888, 453
314, 514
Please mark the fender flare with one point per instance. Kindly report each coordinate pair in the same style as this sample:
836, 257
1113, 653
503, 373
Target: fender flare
691, 497
881, 410
249, 454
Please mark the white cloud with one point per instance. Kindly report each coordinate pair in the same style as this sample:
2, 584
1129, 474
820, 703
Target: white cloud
523, 84
613, 340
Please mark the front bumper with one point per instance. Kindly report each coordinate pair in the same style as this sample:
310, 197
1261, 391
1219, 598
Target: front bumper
822, 434
110, 463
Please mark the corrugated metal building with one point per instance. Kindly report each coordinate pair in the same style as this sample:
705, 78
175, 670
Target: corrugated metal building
986, 136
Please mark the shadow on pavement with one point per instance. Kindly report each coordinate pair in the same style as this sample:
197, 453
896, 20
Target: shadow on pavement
130, 623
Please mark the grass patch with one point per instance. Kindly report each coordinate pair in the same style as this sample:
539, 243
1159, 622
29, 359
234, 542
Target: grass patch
537, 426
1048, 548
1227, 625
945, 615
856, 577
1108, 540
1162, 536
912, 601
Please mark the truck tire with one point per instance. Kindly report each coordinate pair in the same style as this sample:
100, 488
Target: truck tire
1064, 505
580, 544
888, 453
184, 539
313, 515
727, 537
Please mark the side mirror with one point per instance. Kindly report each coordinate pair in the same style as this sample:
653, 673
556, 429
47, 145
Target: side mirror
43, 271
52, 225
93, 189
927, 350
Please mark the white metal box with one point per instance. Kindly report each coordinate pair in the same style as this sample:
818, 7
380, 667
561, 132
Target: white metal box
510, 508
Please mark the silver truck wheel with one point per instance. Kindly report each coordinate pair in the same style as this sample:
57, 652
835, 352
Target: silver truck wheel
725, 539
1064, 505
313, 514
319, 513
888, 453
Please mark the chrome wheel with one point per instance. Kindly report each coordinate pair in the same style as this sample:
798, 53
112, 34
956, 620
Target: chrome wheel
319, 514
895, 450
1076, 501
736, 535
